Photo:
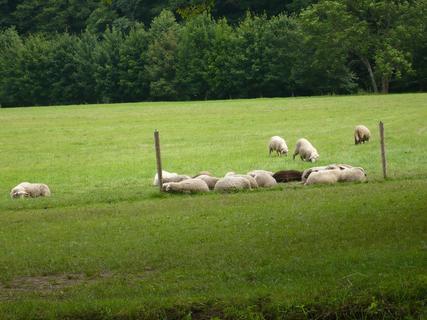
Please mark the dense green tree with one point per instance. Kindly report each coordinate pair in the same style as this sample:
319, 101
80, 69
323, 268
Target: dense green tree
51, 16
162, 57
11, 50
133, 80
224, 75
193, 49
83, 77
373, 31
107, 71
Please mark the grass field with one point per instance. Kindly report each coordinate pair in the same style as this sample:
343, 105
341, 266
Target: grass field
107, 245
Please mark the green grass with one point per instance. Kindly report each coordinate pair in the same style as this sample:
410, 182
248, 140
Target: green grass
127, 252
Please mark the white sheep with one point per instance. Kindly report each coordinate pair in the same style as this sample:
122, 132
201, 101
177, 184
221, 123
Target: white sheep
253, 173
251, 179
169, 177
308, 171
265, 180
352, 174
306, 150
361, 134
26, 189
165, 174
324, 177
232, 183
278, 144
210, 181
186, 186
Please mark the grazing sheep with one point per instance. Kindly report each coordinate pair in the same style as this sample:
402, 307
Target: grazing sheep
251, 179
324, 177
26, 189
265, 180
352, 174
186, 186
361, 134
255, 172
210, 181
232, 183
287, 176
306, 150
203, 173
278, 144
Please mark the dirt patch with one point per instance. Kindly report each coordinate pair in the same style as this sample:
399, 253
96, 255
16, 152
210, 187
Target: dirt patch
47, 284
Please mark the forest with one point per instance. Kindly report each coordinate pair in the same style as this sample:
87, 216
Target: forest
55, 52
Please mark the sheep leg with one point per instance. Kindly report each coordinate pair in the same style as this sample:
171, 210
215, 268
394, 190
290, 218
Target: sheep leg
295, 153
269, 153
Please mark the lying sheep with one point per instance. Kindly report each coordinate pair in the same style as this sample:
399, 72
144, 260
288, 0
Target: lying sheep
255, 172
306, 150
26, 189
352, 175
203, 173
165, 175
361, 134
307, 172
232, 183
265, 180
330, 176
210, 181
287, 176
278, 144
324, 177
169, 177
186, 186
251, 179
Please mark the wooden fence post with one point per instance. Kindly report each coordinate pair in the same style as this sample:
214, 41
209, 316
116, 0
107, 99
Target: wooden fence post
384, 161
158, 158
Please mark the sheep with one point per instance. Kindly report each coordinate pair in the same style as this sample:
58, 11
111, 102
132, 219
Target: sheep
165, 175
210, 181
361, 134
251, 179
306, 150
324, 177
278, 144
287, 175
232, 183
169, 177
186, 186
253, 173
352, 174
337, 174
307, 172
26, 189
265, 180
203, 173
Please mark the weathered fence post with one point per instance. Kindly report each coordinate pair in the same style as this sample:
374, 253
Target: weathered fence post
384, 161
158, 158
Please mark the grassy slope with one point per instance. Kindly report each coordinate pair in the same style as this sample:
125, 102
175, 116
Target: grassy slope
288, 247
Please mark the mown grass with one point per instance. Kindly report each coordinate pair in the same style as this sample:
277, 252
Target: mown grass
350, 250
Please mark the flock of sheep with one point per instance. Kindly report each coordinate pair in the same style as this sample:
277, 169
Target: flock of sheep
205, 181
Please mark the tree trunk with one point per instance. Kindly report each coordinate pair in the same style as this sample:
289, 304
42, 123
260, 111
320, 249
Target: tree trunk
385, 84
371, 74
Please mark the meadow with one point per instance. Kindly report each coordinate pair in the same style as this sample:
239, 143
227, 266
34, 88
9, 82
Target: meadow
108, 245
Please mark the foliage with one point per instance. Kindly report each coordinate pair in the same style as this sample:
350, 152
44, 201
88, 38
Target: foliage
330, 47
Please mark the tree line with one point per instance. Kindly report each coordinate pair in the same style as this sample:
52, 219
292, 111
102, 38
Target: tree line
330, 47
